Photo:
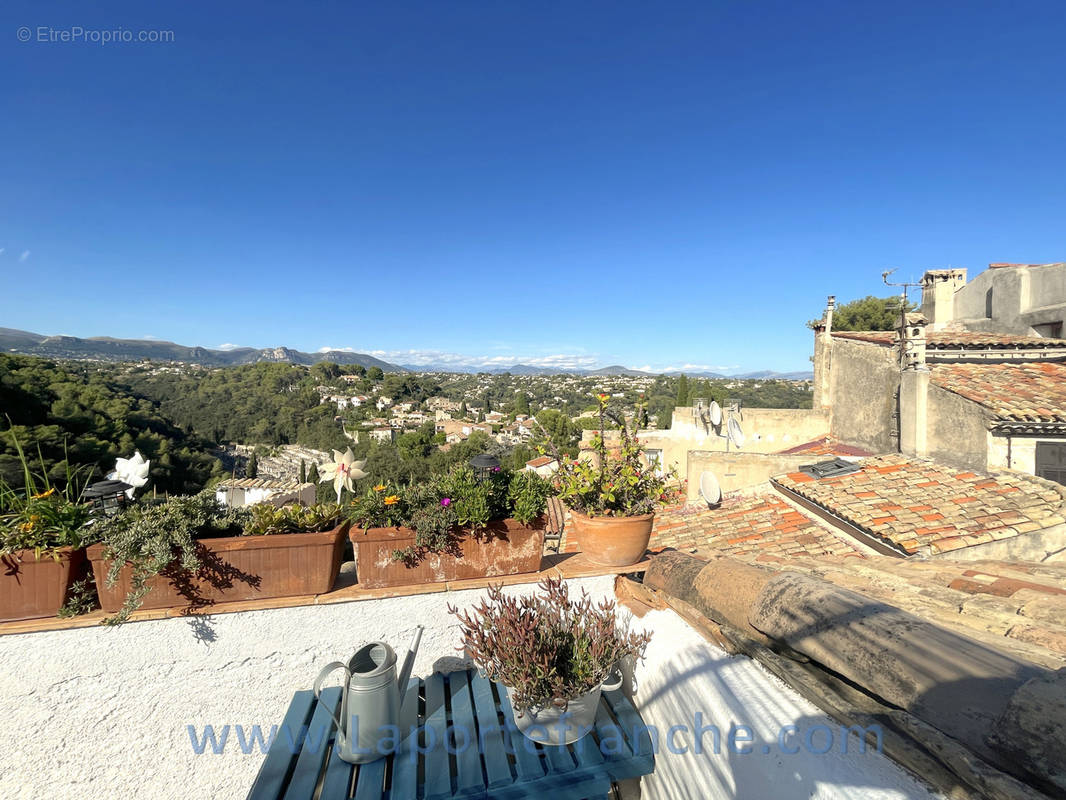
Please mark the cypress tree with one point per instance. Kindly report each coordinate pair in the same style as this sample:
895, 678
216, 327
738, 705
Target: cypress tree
303, 471
312, 474
252, 469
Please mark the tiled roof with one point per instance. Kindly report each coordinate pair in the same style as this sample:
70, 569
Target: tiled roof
1015, 606
911, 504
825, 446
540, 461
1024, 392
747, 528
936, 340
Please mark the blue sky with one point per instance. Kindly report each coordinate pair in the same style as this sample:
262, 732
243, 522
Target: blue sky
576, 183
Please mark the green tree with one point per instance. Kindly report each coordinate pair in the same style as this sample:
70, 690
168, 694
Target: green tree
682, 391
521, 403
462, 410
251, 470
375, 373
866, 314
303, 471
312, 473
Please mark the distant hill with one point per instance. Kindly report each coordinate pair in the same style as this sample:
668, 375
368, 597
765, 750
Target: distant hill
105, 348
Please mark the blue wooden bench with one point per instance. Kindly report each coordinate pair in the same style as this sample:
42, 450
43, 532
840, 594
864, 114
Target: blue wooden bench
432, 764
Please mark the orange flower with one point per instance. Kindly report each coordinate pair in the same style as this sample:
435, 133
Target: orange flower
392, 499
44, 494
379, 488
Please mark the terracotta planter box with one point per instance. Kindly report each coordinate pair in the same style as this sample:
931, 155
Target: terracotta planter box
235, 568
612, 541
32, 588
507, 548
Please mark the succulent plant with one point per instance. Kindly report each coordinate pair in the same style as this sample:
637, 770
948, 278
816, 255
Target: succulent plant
548, 648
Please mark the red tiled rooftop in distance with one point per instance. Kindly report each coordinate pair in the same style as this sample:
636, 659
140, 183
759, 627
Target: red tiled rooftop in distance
825, 446
912, 504
975, 340
746, 528
1025, 392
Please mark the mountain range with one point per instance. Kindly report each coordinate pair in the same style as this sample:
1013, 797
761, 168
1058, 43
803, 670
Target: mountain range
106, 348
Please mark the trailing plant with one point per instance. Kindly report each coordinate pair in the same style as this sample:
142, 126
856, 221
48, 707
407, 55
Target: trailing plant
548, 649
450, 505
619, 481
40, 516
161, 540
82, 598
267, 519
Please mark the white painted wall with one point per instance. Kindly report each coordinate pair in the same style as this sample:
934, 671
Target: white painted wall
102, 713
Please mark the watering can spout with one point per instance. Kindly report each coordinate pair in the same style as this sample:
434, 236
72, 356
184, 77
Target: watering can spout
408, 663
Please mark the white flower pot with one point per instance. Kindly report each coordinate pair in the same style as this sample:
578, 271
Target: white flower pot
556, 726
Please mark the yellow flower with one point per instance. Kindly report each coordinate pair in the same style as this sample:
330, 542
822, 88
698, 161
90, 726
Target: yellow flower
44, 494
392, 499
379, 488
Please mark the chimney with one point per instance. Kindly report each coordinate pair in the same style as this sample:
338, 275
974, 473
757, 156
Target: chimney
823, 356
938, 295
913, 388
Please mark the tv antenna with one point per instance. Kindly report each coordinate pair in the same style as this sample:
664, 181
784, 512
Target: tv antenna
904, 287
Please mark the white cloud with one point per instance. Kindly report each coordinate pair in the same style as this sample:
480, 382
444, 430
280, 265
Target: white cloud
419, 358
227, 346
151, 338
24, 256
338, 349
2, 249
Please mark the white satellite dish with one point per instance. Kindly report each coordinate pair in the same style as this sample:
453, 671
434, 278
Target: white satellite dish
709, 488
715, 411
736, 435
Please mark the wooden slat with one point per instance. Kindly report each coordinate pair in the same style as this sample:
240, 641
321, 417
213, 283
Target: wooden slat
632, 724
437, 776
270, 782
470, 779
405, 762
315, 747
558, 759
491, 733
617, 749
527, 761
370, 782
338, 777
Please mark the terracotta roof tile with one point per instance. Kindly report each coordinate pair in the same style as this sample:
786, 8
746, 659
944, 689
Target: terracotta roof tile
957, 508
1024, 392
747, 528
825, 446
936, 340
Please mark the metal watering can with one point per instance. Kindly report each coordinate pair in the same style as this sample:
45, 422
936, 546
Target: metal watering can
370, 700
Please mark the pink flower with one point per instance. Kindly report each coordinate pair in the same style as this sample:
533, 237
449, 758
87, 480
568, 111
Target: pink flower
445, 501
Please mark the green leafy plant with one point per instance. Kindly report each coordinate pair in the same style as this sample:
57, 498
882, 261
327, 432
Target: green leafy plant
161, 540
267, 519
622, 483
40, 516
548, 648
451, 505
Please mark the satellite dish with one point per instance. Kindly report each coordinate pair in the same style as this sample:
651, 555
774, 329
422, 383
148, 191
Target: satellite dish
715, 411
736, 435
709, 488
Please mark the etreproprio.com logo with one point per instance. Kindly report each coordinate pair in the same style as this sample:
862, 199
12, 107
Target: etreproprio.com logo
692, 736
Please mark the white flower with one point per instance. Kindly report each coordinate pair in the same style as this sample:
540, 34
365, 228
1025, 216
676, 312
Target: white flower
133, 471
342, 471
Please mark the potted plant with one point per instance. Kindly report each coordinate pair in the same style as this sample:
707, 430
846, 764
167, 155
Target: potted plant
552, 654
455, 526
42, 541
613, 497
192, 551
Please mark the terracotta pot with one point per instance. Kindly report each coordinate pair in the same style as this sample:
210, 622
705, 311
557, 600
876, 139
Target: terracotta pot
32, 588
234, 568
507, 548
613, 541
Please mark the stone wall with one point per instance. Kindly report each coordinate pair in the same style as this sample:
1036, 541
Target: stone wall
739, 471
864, 379
957, 430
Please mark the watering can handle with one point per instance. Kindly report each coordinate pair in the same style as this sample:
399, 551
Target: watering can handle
326, 670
